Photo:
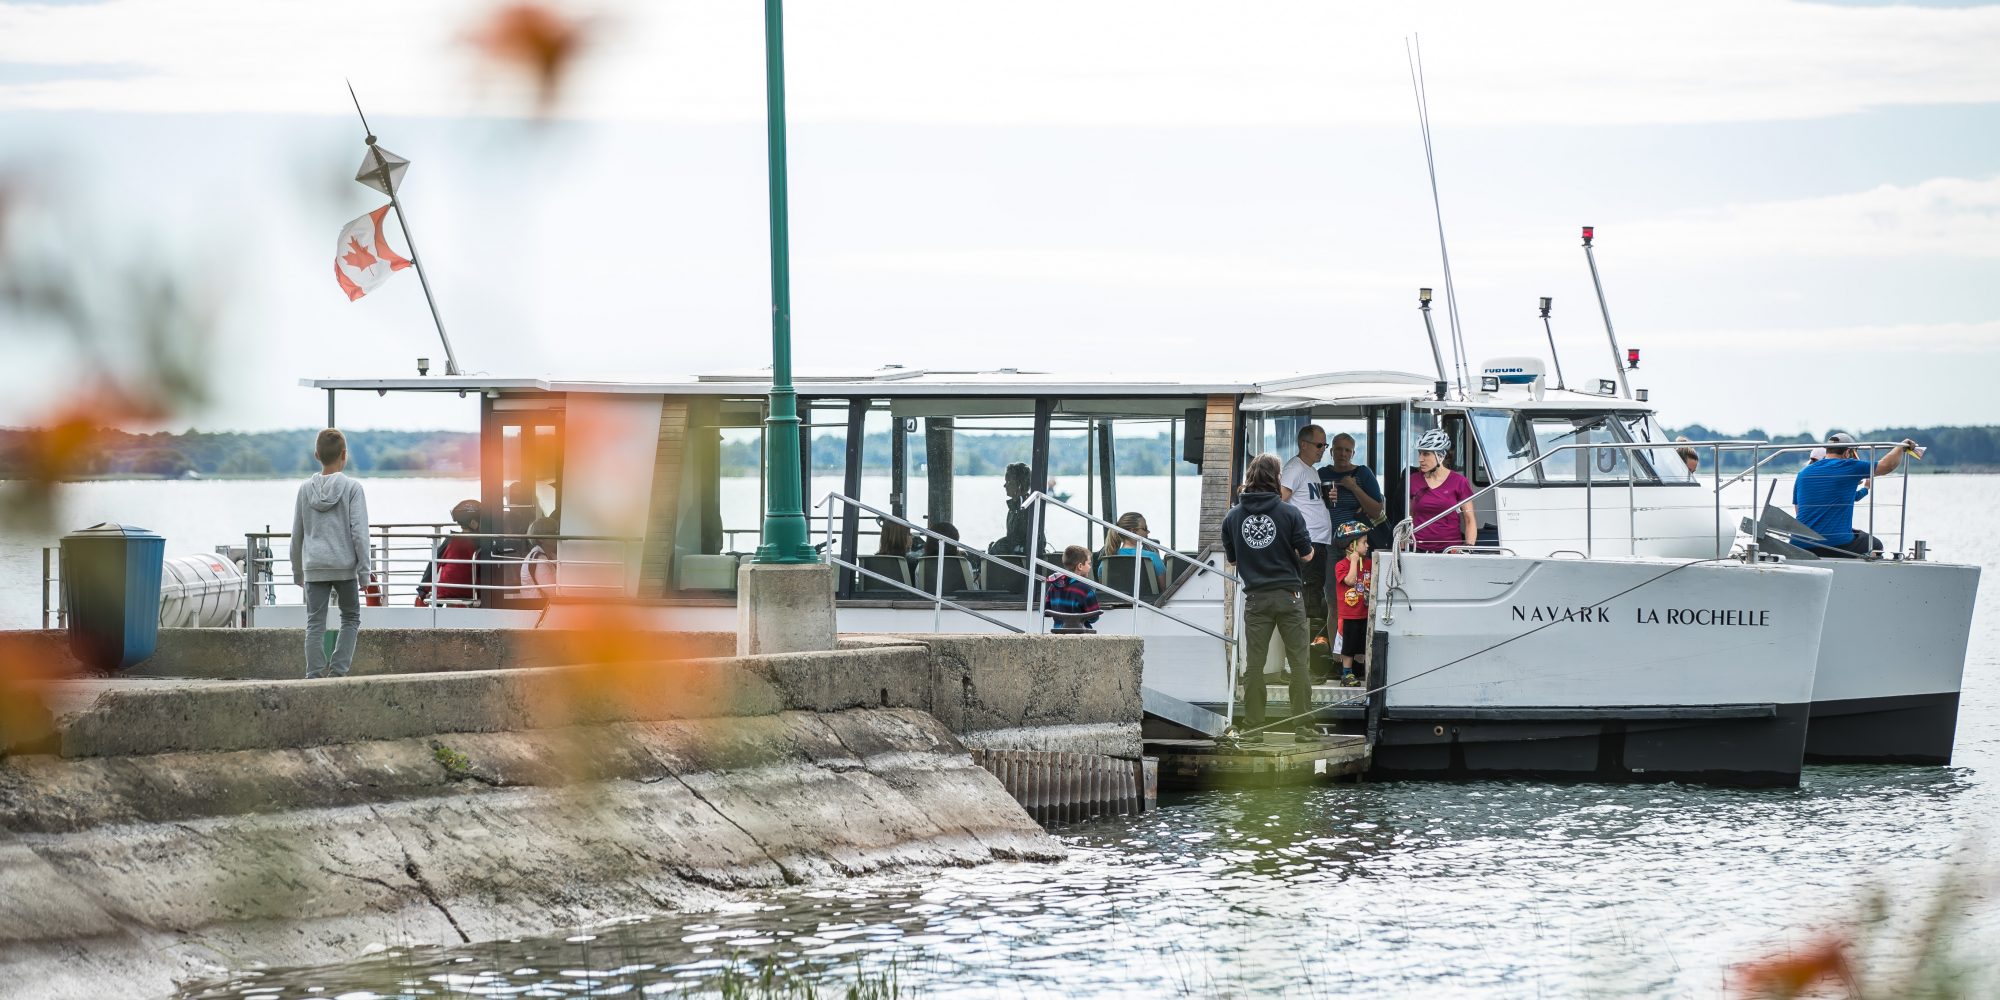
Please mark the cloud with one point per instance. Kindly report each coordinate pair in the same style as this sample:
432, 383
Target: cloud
1125, 268
1867, 340
1114, 62
1945, 217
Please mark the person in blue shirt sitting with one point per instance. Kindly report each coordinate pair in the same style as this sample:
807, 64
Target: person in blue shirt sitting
1825, 491
1132, 525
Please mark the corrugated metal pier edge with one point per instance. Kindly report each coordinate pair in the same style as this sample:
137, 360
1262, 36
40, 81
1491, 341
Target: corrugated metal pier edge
1057, 787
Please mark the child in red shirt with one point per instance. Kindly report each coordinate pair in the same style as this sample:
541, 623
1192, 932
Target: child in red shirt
1351, 578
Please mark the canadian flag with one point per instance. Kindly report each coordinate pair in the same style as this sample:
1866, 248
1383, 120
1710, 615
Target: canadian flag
363, 258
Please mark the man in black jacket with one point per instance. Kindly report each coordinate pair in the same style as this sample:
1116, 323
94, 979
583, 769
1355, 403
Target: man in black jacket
1266, 540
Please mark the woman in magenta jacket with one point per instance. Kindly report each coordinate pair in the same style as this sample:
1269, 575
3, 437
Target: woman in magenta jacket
1435, 489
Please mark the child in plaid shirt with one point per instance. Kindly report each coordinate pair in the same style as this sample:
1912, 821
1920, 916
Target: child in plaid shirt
1068, 594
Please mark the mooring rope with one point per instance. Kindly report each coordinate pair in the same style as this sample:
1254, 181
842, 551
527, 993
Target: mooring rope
1369, 692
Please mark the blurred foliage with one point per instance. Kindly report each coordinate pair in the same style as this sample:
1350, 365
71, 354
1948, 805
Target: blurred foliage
1869, 959
536, 41
137, 335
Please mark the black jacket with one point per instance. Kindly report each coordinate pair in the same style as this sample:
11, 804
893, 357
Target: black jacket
1266, 539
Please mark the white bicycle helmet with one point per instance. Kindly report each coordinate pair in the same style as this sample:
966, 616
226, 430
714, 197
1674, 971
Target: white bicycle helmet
1434, 440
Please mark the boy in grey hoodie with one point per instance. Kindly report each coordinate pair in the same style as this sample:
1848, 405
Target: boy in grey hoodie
330, 554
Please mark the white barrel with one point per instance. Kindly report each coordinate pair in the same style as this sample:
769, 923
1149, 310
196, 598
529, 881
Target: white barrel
199, 591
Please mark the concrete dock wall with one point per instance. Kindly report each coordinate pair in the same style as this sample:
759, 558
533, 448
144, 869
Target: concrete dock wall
127, 876
1015, 692
158, 829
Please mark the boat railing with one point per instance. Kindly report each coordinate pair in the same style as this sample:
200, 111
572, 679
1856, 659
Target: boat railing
404, 561
1233, 589
55, 610
934, 543
1760, 452
837, 504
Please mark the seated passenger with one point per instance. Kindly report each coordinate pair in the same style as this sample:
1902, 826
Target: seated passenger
895, 541
1015, 541
1816, 455
1689, 457
1825, 492
538, 568
452, 566
1123, 543
1070, 594
923, 545
1435, 489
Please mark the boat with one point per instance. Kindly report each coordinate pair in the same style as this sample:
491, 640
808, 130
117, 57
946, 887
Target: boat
1575, 501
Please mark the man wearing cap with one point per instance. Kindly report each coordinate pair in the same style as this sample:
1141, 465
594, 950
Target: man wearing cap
1825, 492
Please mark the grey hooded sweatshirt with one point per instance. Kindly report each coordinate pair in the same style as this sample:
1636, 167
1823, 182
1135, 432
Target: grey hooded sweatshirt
329, 530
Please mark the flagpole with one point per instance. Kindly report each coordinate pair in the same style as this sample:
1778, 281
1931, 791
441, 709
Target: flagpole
382, 167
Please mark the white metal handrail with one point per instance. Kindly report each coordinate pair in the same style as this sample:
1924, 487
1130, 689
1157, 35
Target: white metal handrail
393, 567
934, 541
1715, 450
1035, 559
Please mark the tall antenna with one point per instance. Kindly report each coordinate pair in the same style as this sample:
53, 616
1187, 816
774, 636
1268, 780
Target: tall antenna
1417, 85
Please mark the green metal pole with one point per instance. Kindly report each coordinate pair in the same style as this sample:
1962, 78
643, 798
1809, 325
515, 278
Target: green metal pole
786, 539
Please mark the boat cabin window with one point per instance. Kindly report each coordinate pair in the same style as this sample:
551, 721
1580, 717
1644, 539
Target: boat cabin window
1512, 440
1506, 445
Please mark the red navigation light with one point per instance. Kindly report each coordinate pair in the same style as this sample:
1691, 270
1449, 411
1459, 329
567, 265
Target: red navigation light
1588, 231
1632, 357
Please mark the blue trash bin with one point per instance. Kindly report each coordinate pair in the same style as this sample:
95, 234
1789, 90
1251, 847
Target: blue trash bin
111, 586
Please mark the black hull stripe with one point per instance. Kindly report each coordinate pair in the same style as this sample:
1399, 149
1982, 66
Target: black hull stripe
1765, 751
1904, 729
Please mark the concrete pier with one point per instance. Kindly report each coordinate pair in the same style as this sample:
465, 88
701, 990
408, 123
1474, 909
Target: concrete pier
157, 829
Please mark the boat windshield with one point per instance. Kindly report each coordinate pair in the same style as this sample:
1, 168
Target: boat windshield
1512, 440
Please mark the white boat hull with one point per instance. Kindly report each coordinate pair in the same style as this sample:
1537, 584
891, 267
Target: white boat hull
1611, 669
1892, 656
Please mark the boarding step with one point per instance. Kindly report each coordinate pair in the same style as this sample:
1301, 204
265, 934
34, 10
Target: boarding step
1322, 694
1264, 760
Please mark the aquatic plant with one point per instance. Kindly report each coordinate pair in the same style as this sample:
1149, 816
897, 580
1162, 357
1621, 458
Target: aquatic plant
770, 979
457, 766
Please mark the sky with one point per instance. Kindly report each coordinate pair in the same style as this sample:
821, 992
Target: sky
1797, 205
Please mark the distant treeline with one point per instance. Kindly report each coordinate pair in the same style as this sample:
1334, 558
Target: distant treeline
266, 453
1962, 449
288, 453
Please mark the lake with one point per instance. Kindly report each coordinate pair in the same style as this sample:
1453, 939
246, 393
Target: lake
1481, 889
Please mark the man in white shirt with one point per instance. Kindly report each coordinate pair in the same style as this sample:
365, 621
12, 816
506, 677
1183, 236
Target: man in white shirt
1300, 487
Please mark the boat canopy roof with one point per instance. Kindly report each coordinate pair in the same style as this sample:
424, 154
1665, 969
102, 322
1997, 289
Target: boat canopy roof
1282, 392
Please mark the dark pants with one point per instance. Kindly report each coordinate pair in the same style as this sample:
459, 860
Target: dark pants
1263, 612
1318, 575
1857, 547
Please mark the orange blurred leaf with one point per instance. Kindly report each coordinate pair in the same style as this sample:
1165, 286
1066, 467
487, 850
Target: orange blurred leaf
535, 40
1823, 961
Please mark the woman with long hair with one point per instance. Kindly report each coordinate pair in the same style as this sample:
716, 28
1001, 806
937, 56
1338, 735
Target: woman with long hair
1124, 542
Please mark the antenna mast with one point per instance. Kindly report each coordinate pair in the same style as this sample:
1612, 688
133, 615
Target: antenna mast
1422, 91
1553, 356
1617, 358
389, 188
